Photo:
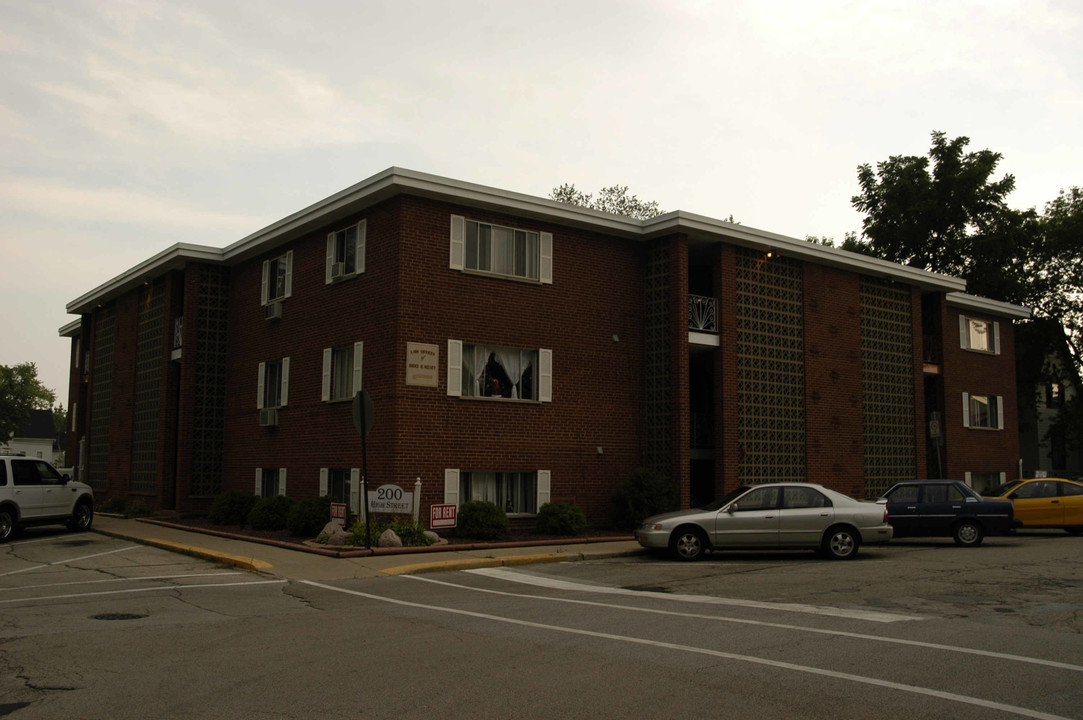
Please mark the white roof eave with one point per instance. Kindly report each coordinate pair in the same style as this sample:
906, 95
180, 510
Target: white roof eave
976, 303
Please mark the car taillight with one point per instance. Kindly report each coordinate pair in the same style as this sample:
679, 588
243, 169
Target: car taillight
885, 514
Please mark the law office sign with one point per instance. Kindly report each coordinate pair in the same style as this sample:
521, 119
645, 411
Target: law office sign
422, 364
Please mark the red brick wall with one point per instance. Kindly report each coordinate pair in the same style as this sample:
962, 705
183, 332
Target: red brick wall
979, 450
409, 294
833, 396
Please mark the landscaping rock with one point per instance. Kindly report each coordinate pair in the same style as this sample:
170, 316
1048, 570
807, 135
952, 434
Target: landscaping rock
389, 538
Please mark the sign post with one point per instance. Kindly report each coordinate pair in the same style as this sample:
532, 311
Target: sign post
362, 420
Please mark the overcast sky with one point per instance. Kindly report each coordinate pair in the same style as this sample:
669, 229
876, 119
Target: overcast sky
128, 126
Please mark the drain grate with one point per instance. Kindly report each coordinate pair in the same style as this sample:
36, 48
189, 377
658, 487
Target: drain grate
117, 616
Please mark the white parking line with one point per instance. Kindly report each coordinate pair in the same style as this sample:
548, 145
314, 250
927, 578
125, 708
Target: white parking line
70, 560
849, 614
116, 580
764, 623
848, 677
143, 590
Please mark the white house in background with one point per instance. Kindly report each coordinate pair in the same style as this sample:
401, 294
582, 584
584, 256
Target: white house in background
38, 439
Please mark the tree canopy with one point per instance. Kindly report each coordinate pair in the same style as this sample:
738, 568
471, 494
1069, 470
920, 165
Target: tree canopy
21, 392
613, 199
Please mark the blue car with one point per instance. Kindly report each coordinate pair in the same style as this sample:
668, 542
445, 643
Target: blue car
946, 508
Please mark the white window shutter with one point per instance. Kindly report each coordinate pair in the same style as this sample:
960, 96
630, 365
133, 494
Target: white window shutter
355, 490
289, 273
259, 482
968, 479
544, 487
323, 482
451, 487
259, 385
285, 381
545, 375
325, 388
330, 257
74, 416
996, 338
358, 358
458, 242
455, 368
966, 409
263, 289
1003, 478
359, 250
1000, 412
964, 333
281, 481
545, 268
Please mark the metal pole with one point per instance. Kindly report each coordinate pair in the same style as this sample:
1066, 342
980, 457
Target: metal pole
365, 481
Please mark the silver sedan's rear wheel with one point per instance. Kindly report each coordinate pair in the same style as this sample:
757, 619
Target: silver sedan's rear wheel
841, 543
688, 543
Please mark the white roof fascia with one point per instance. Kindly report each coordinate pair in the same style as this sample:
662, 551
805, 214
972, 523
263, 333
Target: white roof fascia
144, 272
991, 307
75, 327
680, 221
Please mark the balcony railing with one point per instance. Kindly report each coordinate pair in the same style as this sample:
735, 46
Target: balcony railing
702, 313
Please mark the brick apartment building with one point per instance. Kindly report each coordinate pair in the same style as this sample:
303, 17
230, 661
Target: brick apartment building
521, 350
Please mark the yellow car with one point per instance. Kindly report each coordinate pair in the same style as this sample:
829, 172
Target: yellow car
1044, 503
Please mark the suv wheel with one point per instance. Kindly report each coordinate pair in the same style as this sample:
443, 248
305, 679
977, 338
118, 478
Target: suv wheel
7, 523
82, 518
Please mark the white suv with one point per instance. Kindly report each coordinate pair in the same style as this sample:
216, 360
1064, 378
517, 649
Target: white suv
32, 492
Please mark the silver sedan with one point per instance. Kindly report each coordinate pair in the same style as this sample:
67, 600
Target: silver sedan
771, 516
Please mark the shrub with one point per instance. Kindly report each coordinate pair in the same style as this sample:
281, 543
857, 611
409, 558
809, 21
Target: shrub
648, 492
561, 519
308, 517
410, 532
270, 513
482, 520
232, 507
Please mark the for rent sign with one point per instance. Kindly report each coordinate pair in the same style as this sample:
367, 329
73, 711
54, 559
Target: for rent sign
442, 516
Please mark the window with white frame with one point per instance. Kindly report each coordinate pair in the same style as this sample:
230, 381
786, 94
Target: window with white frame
272, 389
277, 278
493, 371
341, 485
983, 411
982, 481
270, 482
518, 493
346, 252
979, 335
499, 250
342, 372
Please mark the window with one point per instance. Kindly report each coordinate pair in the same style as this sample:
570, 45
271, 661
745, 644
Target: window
34, 472
943, 494
1034, 490
278, 278
798, 497
342, 372
758, 499
982, 481
979, 335
983, 411
515, 492
342, 485
273, 386
905, 494
492, 371
500, 250
346, 252
270, 482
1067, 489
1053, 395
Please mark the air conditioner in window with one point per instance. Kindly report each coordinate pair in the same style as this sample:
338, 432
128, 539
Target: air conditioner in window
273, 311
268, 417
338, 270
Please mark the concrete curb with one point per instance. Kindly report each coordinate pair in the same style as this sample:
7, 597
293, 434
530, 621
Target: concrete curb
474, 563
245, 563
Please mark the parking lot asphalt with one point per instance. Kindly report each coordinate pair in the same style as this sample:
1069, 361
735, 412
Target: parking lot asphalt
298, 564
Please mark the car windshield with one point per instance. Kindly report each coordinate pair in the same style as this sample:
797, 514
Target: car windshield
726, 499
1003, 489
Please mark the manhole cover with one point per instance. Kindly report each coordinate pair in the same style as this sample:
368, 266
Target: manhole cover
117, 616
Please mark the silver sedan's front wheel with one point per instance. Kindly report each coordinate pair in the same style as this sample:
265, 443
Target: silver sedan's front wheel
688, 543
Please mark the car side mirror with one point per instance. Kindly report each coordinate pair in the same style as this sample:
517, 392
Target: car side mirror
971, 499
732, 508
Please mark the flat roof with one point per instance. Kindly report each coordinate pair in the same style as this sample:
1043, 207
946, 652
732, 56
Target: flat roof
398, 181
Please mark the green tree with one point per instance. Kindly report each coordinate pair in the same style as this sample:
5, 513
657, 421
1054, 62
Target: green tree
614, 199
946, 213
21, 392
60, 419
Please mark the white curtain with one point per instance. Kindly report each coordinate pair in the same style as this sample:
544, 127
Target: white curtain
512, 362
474, 359
483, 486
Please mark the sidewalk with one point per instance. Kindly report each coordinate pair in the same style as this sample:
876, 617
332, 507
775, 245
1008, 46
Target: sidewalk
299, 565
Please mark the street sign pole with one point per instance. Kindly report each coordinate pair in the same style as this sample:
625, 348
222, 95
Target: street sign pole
363, 412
